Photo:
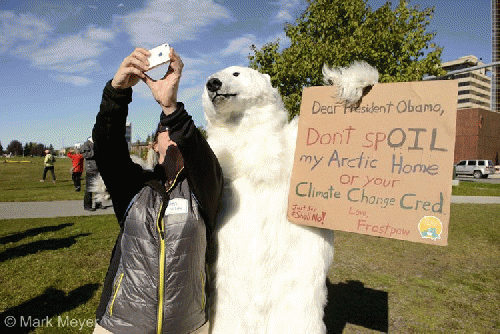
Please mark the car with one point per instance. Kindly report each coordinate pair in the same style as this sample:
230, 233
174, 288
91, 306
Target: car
477, 168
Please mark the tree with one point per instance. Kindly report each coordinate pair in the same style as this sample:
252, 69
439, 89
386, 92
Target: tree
38, 150
15, 147
28, 147
338, 32
203, 132
1, 148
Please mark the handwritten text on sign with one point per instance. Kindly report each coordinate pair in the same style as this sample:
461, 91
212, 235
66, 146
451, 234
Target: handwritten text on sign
383, 167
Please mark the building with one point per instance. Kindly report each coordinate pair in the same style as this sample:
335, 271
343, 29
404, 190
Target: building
474, 87
495, 89
478, 114
478, 135
128, 133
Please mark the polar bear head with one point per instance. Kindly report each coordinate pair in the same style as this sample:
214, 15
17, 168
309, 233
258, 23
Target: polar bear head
235, 92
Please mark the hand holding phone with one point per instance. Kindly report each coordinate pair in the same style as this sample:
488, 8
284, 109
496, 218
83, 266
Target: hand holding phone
159, 55
165, 89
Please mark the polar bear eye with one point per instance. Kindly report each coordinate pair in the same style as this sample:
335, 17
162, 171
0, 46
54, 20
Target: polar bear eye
236, 74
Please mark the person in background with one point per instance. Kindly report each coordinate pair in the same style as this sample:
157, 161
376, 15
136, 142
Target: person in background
48, 165
77, 168
91, 172
151, 157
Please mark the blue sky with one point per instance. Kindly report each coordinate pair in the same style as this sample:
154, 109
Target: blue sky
56, 56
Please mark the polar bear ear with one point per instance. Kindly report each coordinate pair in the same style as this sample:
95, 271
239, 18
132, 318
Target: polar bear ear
268, 81
273, 92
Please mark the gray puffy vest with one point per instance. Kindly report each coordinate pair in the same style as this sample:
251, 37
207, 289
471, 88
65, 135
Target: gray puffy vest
159, 286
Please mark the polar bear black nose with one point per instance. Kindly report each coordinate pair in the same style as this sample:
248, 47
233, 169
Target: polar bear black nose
214, 85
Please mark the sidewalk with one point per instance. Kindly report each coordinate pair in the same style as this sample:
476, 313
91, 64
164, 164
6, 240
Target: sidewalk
13, 210
475, 199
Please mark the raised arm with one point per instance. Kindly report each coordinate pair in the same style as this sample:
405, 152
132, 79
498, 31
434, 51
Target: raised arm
204, 171
121, 176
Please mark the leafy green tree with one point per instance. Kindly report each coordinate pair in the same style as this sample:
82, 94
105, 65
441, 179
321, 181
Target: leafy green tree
1, 149
203, 131
29, 149
338, 32
38, 150
15, 147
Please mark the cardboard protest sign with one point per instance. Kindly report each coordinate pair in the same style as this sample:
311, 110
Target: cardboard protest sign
383, 167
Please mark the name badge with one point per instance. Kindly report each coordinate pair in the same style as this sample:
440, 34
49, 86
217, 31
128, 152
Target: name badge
177, 205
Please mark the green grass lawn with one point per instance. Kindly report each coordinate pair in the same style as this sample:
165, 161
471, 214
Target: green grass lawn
20, 181
55, 267
470, 188
428, 288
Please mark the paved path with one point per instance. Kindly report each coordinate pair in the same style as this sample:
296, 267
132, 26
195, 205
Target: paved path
11, 210
476, 199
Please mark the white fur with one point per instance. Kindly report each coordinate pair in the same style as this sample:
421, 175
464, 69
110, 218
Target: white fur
351, 80
98, 188
270, 274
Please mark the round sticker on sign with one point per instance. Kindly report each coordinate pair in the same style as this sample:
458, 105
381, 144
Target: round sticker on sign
430, 227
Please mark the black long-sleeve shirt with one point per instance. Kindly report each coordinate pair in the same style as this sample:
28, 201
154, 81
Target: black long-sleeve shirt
123, 178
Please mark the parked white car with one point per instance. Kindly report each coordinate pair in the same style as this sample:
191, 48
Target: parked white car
477, 168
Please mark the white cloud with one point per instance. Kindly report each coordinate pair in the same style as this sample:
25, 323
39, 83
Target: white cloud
70, 54
286, 8
6, 14
72, 57
193, 62
99, 34
17, 30
28, 37
283, 16
73, 79
240, 46
171, 21
282, 37
85, 66
67, 50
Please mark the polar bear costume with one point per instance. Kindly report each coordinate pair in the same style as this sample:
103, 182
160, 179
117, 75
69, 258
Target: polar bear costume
269, 274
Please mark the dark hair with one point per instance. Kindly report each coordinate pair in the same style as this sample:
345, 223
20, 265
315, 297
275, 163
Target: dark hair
155, 138
159, 129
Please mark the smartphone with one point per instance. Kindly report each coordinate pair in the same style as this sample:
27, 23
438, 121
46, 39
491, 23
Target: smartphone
159, 55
